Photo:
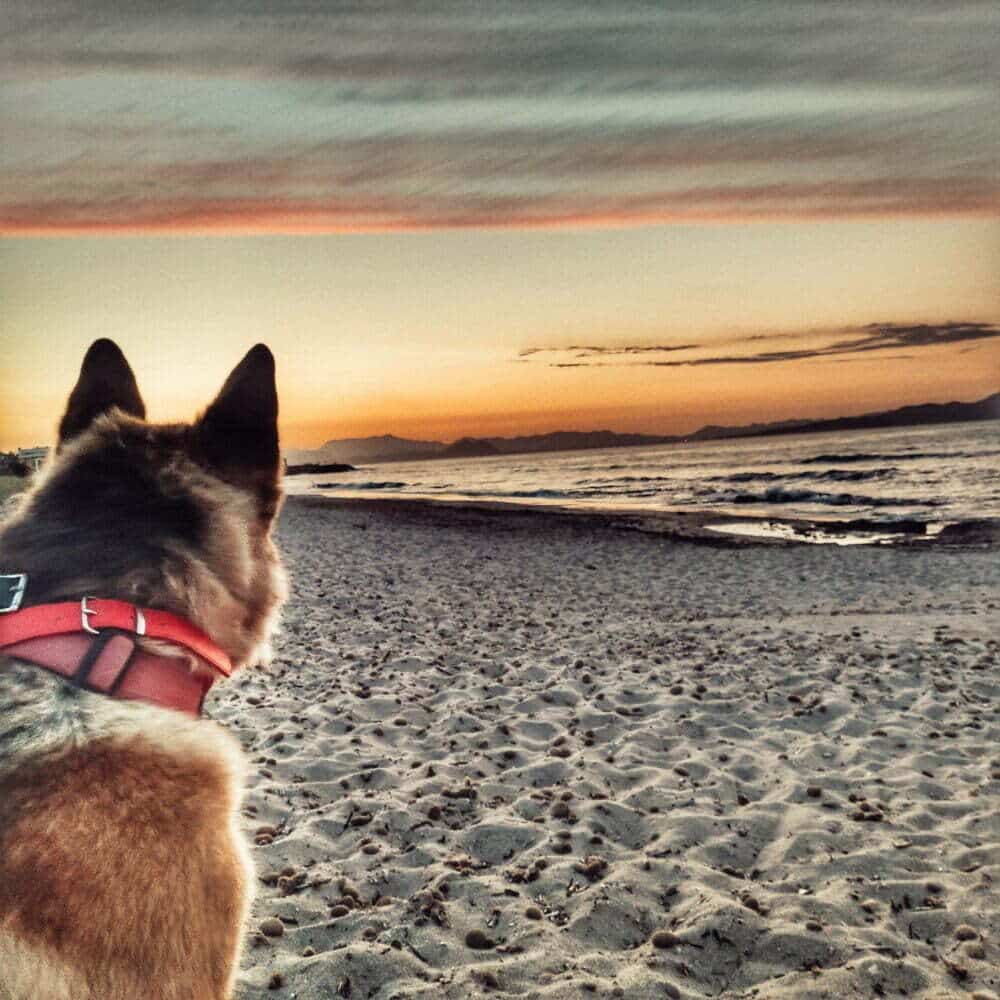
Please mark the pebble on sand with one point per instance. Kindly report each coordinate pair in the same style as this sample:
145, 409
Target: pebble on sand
478, 940
593, 867
665, 939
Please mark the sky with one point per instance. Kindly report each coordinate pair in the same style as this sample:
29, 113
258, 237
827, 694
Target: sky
502, 218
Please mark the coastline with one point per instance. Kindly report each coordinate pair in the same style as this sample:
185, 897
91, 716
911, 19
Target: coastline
729, 528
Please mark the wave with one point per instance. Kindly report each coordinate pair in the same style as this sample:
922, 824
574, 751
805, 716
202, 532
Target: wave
362, 486
538, 494
828, 476
615, 480
778, 495
771, 495
894, 456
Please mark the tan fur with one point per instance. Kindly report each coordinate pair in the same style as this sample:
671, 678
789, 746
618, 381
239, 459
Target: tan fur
30, 971
123, 873
80, 834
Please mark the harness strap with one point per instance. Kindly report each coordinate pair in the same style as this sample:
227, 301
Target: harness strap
112, 663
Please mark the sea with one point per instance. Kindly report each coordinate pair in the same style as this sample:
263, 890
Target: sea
934, 475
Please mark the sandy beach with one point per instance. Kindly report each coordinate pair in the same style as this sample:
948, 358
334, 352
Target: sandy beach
519, 754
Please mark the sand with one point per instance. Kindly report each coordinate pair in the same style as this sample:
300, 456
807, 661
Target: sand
539, 756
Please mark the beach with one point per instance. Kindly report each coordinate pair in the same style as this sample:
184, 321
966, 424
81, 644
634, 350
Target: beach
519, 753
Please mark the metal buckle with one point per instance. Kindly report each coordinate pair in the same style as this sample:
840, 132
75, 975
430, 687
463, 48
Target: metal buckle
86, 610
15, 584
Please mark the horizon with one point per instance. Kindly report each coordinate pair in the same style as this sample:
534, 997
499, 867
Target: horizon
642, 217
578, 430
609, 430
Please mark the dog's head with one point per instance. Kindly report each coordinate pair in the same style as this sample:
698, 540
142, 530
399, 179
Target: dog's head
170, 516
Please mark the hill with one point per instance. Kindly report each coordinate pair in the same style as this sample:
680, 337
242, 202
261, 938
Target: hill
354, 451
904, 416
469, 447
388, 448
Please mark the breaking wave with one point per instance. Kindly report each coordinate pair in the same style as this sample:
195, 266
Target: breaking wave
778, 495
828, 476
896, 456
362, 486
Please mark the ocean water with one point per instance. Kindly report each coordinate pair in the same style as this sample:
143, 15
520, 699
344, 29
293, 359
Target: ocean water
934, 475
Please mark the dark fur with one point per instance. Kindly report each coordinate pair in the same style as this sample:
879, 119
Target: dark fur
104, 515
105, 381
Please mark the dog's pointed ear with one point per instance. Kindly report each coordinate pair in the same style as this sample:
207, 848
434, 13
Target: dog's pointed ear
238, 434
105, 381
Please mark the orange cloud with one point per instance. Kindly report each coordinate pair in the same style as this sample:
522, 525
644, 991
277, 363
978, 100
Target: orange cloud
711, 205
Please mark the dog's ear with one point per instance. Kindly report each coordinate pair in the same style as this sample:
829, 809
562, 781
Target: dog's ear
237, 436
105, 381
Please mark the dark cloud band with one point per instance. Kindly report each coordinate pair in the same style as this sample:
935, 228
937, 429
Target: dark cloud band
840, 345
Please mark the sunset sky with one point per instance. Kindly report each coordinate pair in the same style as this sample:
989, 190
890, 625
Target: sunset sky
478, 218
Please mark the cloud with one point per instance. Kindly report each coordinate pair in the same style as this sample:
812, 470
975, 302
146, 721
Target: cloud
269, 197
587, 351
250, 115
474, 49
840, 345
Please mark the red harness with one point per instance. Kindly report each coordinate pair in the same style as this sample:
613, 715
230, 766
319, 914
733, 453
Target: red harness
92, 643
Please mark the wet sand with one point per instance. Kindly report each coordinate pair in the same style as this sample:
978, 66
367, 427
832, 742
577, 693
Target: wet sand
505, 753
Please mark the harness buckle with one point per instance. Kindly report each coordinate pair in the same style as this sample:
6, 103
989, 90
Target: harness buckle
86, 610
12, 587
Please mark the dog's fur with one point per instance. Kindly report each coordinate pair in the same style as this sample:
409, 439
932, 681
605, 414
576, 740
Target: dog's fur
122, 871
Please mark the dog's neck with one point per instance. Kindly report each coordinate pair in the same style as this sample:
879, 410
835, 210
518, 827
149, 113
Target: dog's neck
103, 646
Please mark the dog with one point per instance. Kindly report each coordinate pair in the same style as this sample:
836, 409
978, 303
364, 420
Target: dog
138, 568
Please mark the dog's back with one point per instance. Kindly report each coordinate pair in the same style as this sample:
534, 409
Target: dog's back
122, 872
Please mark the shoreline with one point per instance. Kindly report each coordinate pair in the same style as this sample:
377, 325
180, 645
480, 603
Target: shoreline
671, 441
716, 528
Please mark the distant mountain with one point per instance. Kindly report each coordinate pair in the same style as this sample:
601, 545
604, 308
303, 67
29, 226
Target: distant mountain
712, 432
575, 441
469, 447
388, 448
905, 416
